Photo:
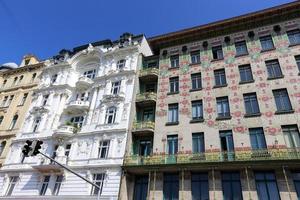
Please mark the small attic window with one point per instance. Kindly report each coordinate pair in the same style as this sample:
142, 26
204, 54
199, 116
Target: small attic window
27, 60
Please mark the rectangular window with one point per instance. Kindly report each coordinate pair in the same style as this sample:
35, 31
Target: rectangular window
217, 52
257, 138
220, 77
195, 57
54, 154
197, 110
44, 185
148, 114
171, 187
174, 84
173, 113
145, 147
23, 100
297, 58
251, 104
90, 74
196, 81
198, 143
200, 189
110, 116
231, 186
273, 68
121, 64
98, 179
241, 48
36, 124
266, 43
10, 100
296, 178
140, 188
11, 185
245, 73
53, 78
226, 140
115, 87
282, 100
4, 102
172, 144
266, 186
57, 185
103, 149
294, 36
152, 64
174, 61
68, 149
291, 136
223, 107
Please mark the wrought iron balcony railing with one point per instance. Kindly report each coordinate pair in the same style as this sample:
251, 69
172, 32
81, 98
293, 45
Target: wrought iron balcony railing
214, 157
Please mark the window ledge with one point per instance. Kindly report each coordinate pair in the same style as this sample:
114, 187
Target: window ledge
172, 123
220, 86
266, 50
284, 112
292, 45
171, 68
252, 115
172, 93
277, 77
224, 118
192, 64
196, 120
241, 55
245, 82
196, 89
215, 60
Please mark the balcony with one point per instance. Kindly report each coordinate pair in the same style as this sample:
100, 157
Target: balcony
64, 131
215, 157
45, 165
143, 127
149, 73
77, 107
84, 83
146, 98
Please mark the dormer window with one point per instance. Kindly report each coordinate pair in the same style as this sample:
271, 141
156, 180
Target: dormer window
27, 60
121, 64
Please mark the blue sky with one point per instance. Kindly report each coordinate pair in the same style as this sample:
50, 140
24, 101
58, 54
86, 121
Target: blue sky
43, 27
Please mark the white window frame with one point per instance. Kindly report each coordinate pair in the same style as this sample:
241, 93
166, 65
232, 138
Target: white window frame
103, 147
116, 86
13, 181
111, 112
121, 64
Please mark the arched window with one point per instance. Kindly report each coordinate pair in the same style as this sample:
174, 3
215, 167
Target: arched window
33, 77
2, 146
110, 116
15, 81
1, 119
21, 78
121, 64
36, 124
4, 83
13, 122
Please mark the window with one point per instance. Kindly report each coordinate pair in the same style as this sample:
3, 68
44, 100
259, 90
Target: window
103, 149
23, 100
226, 140
297, 58
2, 146
294, 36
98, 179
198, 143
266, 186
45, 99
217, 52
110, 116
174, 61
223, 107
171, 187
27, 60
57, 185
245, 73
13, 122
44, 186
200, 189
54, 154
33, 77
282, 100
266, 43
231, 186
82, 96
173, 113
4, 102
36, 124
1, 119
291, 136
90, 74
11, 185
296, 178
257, 138
68, 149
115, 87
196, 81
152, 64
241, 48
4, 83
150, 87
274, 70
77, 121
10, 100
15, 81
145, 147
121, 64
195, 57
53, 78
172, 144
21, 78
140, 188
220, 77
174, 84
148, 114
251, 104
197, 110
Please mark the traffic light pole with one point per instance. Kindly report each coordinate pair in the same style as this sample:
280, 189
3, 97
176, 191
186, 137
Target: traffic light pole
73, 172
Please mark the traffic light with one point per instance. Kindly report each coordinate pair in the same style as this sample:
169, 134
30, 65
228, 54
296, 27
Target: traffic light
37, 147
26, 150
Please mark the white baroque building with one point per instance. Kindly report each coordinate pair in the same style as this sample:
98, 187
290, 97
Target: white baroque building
81, 112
